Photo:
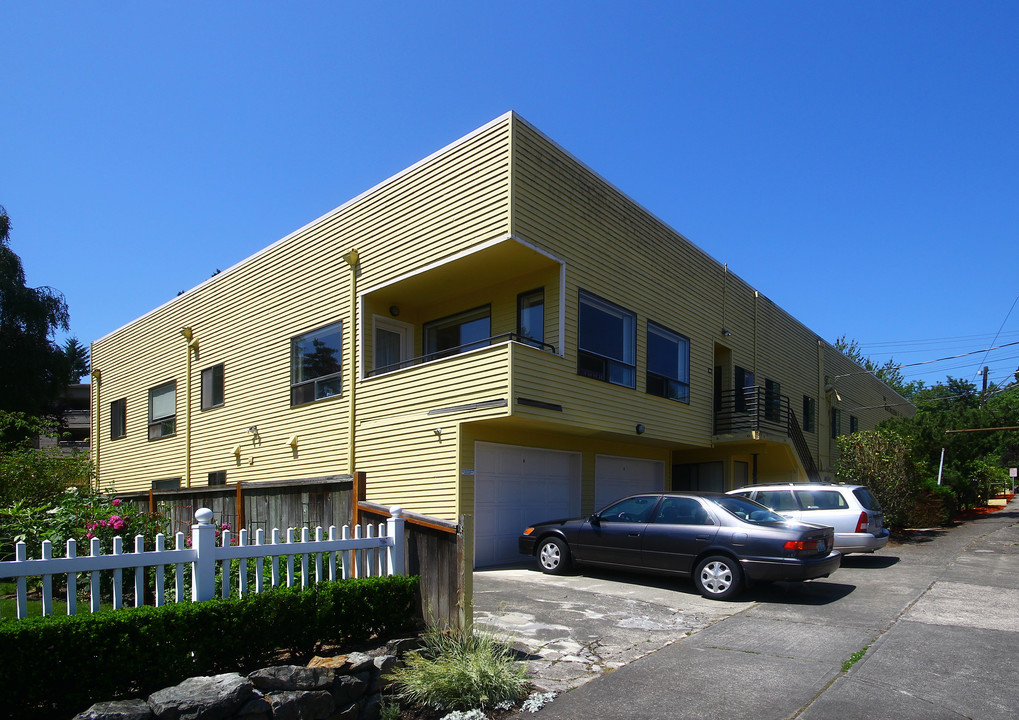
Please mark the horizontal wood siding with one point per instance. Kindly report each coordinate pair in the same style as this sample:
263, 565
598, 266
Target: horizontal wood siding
246, 316
406, 461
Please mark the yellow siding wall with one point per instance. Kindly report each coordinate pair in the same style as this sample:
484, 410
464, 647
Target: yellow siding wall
245, 317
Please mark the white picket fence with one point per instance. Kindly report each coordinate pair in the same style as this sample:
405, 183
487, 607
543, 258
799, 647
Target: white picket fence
368, 556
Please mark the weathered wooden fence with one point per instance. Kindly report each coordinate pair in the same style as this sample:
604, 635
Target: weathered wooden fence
440, 552
317, 501
368, 553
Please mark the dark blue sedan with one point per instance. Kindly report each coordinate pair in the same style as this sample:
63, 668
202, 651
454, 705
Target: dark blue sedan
723, 542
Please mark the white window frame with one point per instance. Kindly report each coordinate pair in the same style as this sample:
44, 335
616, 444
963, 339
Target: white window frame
628, 362
162, 425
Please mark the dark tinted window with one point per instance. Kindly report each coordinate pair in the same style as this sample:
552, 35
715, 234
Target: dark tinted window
866, 498
631, 509
682, 511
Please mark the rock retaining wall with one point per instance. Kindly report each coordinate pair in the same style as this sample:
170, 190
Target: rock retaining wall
346, 687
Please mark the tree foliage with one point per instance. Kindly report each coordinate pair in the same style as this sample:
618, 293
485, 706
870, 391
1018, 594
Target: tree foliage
974, 460
33, 370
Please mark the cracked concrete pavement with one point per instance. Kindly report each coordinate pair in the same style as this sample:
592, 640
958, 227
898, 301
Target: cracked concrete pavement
578, 627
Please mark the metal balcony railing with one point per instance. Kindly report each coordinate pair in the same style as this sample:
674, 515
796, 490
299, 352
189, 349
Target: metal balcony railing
755, 409
450, 352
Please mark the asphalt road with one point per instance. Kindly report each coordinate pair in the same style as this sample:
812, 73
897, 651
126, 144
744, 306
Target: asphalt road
927, 629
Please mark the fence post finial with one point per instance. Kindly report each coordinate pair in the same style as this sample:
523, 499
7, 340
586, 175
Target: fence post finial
203, 542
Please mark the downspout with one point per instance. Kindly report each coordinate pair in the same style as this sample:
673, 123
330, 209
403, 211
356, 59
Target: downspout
97, 380
351, 259
192, 345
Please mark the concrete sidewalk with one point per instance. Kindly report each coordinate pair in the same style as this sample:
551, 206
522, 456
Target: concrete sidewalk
932, 625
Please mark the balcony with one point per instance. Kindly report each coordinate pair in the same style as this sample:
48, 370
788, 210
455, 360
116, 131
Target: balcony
756, 412
450, 352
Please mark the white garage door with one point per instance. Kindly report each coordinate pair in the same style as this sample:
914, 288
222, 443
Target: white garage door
616, 477
515, 486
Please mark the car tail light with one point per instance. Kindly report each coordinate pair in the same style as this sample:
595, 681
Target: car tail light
861, 525
801, 544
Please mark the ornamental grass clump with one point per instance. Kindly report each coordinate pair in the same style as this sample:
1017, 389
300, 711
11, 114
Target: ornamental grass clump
460, 670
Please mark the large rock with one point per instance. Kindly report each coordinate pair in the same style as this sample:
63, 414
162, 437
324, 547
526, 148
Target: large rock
202, 698
301, 705
292, 677
359, 662
348, 689
117, 710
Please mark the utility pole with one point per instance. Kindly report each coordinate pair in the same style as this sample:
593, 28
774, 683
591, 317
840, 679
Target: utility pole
983, 395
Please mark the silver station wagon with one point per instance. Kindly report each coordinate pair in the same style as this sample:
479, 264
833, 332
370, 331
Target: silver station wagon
852, 510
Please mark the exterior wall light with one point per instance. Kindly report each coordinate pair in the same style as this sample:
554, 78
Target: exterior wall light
394, 310
640, 429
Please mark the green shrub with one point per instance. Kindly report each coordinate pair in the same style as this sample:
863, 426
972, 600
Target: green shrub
460, 670
881, 460
61, 665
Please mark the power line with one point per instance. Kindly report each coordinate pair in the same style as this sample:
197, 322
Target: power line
928, 362
999, 331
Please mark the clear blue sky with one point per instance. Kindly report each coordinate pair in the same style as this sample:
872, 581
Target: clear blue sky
854, 161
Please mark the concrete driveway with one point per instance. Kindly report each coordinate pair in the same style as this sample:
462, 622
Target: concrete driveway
574, 628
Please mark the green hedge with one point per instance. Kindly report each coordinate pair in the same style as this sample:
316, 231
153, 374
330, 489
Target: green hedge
58, 666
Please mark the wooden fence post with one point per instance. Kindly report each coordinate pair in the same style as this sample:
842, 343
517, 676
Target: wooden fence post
359, 483
465, 571
203, 542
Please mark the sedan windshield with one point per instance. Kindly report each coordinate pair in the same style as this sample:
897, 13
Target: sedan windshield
747, 510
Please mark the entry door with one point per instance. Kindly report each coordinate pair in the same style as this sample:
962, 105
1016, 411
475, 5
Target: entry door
392, 343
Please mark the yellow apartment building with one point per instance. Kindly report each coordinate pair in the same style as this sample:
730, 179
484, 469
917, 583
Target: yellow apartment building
496, 331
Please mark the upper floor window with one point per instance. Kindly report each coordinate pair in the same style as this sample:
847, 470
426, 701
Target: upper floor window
809, 414
606, 341
854, 424
772, 400
836, 422
163, 410
745, 397
458, 333
668, 364
212, 387
531, 315
315, 367
118, 418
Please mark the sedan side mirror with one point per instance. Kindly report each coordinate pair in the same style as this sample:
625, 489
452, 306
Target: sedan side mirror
594, 519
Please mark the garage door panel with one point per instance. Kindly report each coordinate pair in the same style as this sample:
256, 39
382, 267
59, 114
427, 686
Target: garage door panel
515, 486
617, 477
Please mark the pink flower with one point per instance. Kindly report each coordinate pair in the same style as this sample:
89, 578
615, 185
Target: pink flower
225, 526
116, 502
116, 522
89, 536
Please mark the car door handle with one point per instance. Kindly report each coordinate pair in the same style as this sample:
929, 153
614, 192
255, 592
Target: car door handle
634, 534
703, 537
